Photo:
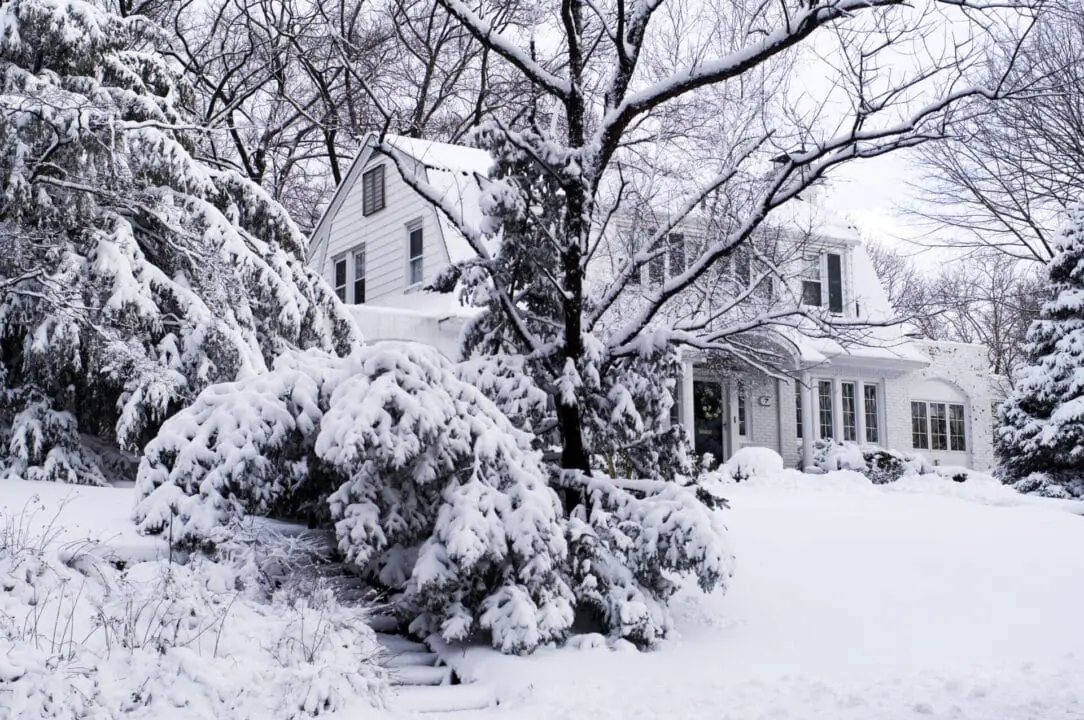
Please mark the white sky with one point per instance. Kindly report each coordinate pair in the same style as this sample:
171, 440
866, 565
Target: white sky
875, 195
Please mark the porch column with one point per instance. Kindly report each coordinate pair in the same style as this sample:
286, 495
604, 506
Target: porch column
809, 432
687, 402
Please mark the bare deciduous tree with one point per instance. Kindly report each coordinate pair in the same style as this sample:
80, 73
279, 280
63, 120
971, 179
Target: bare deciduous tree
1008, 171
610, 81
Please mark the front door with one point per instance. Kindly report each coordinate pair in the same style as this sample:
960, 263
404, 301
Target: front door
709, 418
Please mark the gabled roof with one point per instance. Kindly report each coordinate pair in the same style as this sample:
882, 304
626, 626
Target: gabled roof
455, 171
881, 344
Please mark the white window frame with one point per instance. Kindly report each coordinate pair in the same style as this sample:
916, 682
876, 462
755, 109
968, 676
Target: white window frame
341, 291
411, 228
836, 394
948, 405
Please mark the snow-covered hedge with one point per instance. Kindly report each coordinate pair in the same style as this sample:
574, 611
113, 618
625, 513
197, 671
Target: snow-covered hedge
878, 464
428, 486
433, 492
204, 640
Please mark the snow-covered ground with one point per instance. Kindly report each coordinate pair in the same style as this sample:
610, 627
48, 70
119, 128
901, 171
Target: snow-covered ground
99, 622
924, 598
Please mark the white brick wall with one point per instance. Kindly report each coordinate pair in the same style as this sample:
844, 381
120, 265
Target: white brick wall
963, 368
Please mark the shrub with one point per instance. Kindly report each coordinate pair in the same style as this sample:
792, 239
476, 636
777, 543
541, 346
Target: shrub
881, 466
433, 493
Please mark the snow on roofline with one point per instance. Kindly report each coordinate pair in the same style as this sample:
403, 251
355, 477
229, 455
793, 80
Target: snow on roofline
443, 156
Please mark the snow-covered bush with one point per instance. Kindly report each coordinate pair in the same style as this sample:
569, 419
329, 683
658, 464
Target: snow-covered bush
433, 493
429, 488
132, 275
1041, 441
1052, 486
879, 464
629, 538
84, 638
753, 462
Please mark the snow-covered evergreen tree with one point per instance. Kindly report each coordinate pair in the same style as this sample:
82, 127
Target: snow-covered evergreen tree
132, 275
1041, 441
429, 487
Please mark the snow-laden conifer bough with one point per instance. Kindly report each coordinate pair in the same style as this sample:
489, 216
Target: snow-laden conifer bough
434, 494
132, 274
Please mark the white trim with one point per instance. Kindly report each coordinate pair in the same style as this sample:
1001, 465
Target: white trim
415, 224
344, 258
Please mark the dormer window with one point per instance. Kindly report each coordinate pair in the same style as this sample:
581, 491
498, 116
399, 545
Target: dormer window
815, 291
372, 191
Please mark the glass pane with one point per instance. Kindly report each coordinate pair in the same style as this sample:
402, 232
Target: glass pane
742, 427
871, 412
957, 428
811, 293
415, 271
677, 253
417, 245
920, 438
850, 412
798, 407
656, 270
824, 397
340, 272
938, 427
708, 418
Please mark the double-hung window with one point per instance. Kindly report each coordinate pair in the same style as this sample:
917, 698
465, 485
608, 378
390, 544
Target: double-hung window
743, 413
847, 410
848, 393
872, 413
415, 254
815, 271
349, 272
824, 407
811, 281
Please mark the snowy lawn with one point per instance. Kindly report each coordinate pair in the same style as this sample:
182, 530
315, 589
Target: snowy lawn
924, 598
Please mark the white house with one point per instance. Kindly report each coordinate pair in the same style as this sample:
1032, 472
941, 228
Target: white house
379, 242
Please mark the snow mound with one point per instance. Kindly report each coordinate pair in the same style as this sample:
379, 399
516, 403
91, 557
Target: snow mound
753, 462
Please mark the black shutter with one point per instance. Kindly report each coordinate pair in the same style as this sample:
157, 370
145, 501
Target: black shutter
835, 283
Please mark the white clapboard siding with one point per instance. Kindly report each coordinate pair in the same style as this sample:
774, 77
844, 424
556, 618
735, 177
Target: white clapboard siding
385, 234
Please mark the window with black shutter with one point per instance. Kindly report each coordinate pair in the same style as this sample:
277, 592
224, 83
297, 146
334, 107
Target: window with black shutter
835, 283
372, 191
677, 253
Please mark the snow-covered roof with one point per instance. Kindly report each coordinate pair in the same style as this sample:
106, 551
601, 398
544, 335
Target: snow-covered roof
457, 173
